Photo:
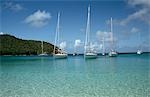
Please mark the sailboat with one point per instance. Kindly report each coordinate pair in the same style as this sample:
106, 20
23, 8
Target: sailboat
75, 52
112, 52
103, 52
60, 53
43, 53
88, 52
139, 51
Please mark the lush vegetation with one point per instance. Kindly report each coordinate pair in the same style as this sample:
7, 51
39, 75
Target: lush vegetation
10, 45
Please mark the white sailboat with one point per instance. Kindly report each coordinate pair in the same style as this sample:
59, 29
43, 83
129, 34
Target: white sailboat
43, 53
139, 51
88, 52
103, 52
60, 53
112, 52
75, 52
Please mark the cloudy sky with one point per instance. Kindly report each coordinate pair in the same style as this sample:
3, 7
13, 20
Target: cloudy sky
36, 20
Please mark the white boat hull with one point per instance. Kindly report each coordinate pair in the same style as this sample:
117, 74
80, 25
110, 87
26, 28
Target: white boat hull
43, 54
113, 54
60, 56
139, 52
90, 55
103, 54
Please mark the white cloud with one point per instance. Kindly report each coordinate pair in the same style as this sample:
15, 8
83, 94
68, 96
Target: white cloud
62, 45
103, 34
95, 46
142, 13
1, 33
38, 18
134, 30
13, 6
139, 2
78, 43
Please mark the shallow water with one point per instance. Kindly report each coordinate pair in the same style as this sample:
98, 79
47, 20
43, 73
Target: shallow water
32, 76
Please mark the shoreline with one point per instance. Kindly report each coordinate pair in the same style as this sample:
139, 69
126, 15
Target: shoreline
99, 54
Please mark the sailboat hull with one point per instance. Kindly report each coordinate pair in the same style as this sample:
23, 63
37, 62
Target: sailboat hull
43, 54
113, 54
60, 56
139, 52
103, 54
90, 56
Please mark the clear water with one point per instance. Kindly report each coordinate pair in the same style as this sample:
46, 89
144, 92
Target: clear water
122, 76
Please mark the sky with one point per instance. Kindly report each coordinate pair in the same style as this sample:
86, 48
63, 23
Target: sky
37, 19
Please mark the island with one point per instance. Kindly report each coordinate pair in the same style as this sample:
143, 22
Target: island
10, 45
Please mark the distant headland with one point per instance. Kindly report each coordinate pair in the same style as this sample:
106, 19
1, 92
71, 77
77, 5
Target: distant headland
10, 45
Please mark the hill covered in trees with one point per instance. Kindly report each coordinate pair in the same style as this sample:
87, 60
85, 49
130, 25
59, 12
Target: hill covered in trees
10, 45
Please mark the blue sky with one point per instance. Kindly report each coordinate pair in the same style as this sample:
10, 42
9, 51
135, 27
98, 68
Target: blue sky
36, 20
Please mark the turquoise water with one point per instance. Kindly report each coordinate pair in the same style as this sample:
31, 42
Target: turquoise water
32, 76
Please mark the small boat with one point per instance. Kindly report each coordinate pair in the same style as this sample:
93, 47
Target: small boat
90, 55
88, 52
112, 53
43, 53
60, 53
139, 52
103, 52
74, 54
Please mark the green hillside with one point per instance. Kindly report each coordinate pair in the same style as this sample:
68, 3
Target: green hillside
10, 45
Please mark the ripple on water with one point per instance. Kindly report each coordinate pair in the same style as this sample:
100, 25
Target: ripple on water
120, 77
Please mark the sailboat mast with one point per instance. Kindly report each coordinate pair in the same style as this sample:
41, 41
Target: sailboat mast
103, 45
87, 29
88, 24
58, 27
139, 39
111, 30
42, 47
57, 32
